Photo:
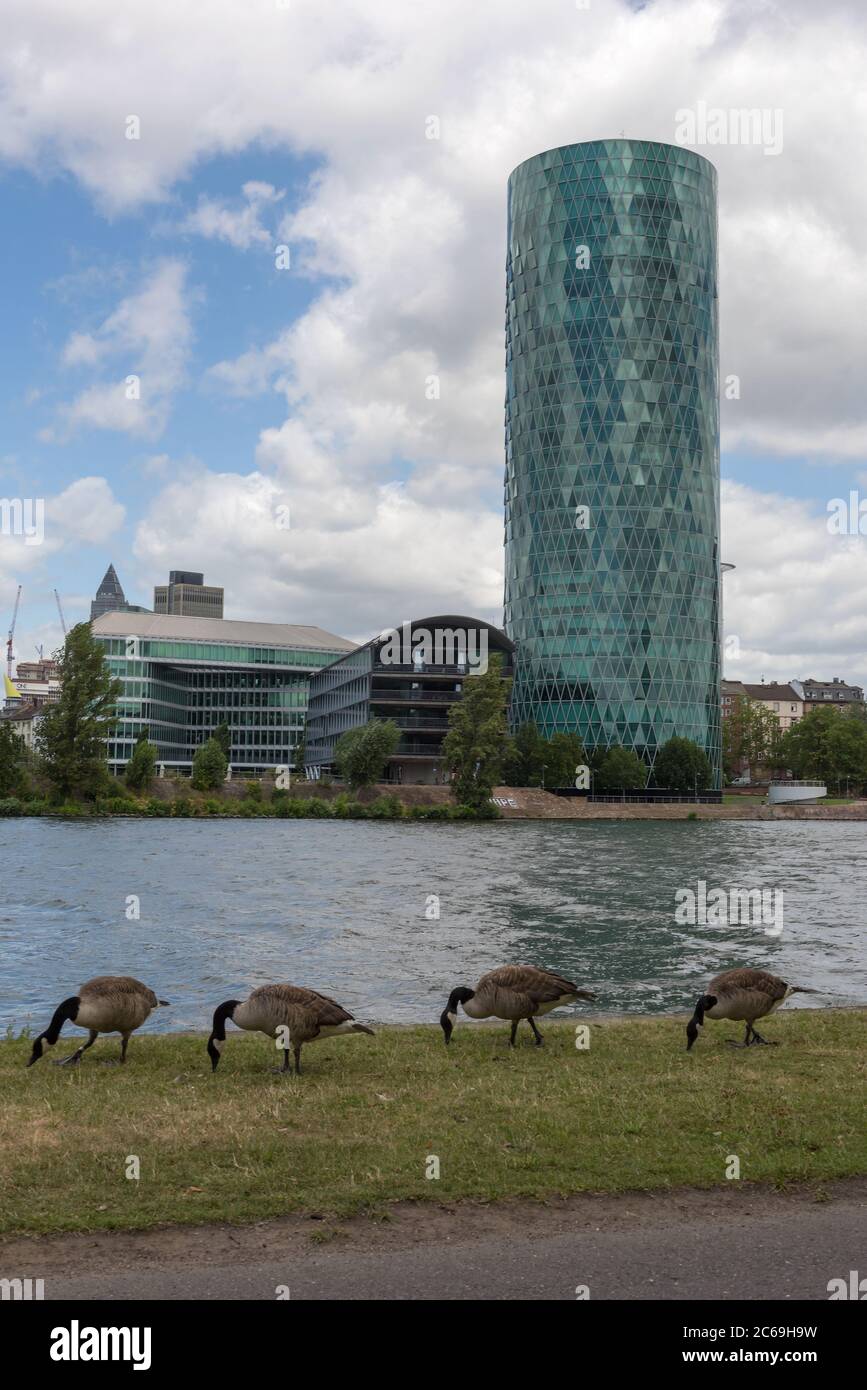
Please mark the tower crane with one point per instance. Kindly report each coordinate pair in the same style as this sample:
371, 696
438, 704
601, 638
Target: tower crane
60, 611
12, 634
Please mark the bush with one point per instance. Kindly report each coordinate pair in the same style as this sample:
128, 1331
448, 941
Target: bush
213, 806
11, 806
182, 807
140, 768
116, 806
209, 766
388, 807
154, 807
253, 790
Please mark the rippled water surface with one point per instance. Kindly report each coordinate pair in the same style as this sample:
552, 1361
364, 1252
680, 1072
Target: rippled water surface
341, 907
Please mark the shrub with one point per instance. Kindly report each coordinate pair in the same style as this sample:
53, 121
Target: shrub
388, 807
253, 790
182, 807
11, 806
209, 766
154, 807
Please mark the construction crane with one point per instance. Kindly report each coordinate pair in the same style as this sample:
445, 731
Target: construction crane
12, 634
60, 611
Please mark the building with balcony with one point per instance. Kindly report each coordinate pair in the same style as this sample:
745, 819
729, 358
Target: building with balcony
182, 677
612, 591
188, 596
415, 693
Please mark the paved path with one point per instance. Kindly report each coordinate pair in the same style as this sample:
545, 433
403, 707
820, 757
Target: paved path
731, 1244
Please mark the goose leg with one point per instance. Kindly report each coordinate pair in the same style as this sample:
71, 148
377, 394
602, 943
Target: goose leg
285, 1066
75, 1057
297, 1051
538, 1035
757, 1038
513, 1032
123, 1046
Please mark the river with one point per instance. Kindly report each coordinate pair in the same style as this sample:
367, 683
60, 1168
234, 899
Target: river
350, 907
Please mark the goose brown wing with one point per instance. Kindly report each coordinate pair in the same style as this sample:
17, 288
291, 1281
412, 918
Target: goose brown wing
537, 986
117, 987
747, 980
323, 1011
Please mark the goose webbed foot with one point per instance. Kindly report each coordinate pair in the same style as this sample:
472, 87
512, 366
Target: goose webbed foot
757, 1038
71, 1061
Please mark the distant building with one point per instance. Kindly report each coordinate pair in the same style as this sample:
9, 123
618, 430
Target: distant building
833, 692
188, 596
730, 691
782, 701
36, 683
24, 721
416, 693
110, 597
182, 677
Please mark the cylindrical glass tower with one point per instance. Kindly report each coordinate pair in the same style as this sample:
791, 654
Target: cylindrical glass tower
612, 445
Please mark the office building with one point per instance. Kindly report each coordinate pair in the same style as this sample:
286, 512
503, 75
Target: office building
188, 596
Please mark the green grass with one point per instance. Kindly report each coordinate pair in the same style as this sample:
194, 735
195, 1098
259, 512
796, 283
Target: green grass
354, 1132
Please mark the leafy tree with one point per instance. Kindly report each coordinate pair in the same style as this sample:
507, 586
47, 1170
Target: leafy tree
299, 752
826, 744
223, 735
140, 768
473, 747
360, 755
620, 770
564, 753
681, 766
72, 734
209, 766
524, 757
13, 755
750, 737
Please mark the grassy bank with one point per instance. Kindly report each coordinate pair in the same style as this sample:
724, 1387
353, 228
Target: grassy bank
354, 1132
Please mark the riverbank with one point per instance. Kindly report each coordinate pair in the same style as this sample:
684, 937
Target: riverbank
252, 800
371, 1118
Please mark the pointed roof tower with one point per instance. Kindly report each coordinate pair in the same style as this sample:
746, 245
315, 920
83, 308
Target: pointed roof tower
110, 597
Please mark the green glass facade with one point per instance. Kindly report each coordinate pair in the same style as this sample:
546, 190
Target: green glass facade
612, 445
180, 691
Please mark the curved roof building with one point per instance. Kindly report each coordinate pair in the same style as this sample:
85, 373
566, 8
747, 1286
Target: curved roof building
612, 445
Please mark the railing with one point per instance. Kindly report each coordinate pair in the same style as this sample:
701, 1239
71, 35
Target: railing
435, 725
410, 747
414, 697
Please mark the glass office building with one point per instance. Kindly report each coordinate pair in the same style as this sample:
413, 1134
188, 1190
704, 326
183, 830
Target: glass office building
182, 677
612, 445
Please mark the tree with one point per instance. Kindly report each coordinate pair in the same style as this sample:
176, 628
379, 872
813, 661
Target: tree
209, 766
828, 745
12, 760
360, 755
140, 768
524, 757
750, 737
473, 747
72, 734
299, 752
223, 735
681, 766
620, 770
564, 753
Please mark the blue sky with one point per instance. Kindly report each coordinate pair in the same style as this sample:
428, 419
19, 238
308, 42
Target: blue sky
307, 127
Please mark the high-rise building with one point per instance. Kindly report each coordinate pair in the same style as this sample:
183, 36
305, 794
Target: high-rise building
188, 596
110, 597
612, 589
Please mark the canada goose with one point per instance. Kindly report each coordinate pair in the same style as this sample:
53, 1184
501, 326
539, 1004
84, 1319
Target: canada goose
742, 994
515, 992
106, 1004
305, 1015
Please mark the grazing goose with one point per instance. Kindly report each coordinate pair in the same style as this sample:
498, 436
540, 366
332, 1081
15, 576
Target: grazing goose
106, 1004
514, 992
306, 1014
742, 995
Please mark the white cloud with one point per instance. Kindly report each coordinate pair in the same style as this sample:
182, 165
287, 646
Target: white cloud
144, 346
795, 601
240, 226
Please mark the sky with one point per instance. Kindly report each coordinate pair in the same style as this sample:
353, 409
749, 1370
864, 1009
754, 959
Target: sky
239, 237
